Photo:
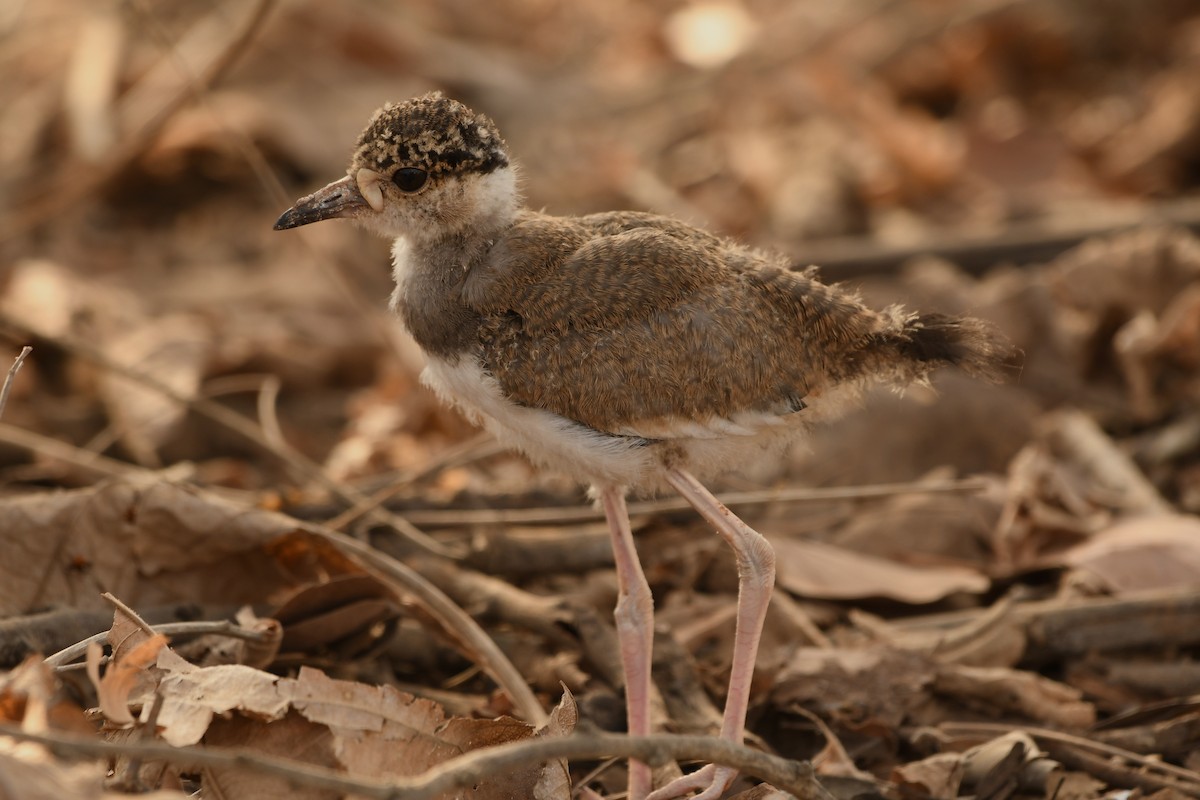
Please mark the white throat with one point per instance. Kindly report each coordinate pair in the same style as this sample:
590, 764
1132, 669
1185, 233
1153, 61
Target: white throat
496, 198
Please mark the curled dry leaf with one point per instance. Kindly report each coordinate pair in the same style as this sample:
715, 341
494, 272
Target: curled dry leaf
816, 570
347, 614
1013, 759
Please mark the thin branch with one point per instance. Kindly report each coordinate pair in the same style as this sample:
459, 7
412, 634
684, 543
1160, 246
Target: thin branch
221, 627
268, 420
438, 518
134, 617
854, 257
12, 376
471, 768
69, 453
475, 766
474, 449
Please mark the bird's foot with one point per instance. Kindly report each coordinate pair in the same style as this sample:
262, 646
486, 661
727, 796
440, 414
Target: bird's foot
712, 781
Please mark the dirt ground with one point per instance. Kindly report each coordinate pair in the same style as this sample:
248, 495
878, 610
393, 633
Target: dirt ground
304, 577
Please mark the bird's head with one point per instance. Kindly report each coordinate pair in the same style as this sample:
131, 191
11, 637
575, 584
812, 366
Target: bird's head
423, 169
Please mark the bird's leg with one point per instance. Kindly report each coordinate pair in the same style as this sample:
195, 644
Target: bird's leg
756, 577
635, 629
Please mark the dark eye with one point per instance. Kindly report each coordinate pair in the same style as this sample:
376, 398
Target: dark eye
410, 179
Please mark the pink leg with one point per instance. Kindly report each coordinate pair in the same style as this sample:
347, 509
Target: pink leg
635, 629
756, 577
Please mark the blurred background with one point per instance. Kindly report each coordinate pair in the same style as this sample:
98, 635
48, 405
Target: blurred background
1030, 162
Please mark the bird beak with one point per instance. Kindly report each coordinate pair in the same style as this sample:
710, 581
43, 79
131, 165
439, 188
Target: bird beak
339, 199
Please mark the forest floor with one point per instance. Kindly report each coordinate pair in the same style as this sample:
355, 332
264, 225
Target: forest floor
302, 576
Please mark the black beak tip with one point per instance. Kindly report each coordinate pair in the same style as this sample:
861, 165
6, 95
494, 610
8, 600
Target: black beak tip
286, 220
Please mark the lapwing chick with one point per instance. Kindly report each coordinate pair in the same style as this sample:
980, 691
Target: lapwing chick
631, 351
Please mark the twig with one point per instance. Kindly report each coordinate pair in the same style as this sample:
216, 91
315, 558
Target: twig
439, 518
268, 420
474, 767
471, 450
221, 627
471, 768
235, 422
134, 617
12, 375
1019, 244
1068, 627
69, 453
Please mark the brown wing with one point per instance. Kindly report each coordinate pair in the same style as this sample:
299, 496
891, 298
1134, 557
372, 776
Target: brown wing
611, 322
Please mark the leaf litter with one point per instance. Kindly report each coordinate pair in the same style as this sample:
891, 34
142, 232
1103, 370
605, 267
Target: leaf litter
1012, 611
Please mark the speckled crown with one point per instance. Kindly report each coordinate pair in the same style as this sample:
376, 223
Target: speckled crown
432, 132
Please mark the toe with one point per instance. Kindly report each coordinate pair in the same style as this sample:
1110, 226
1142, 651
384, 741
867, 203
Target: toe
712, 780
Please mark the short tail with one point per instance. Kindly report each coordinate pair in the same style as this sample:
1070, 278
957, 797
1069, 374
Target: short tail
927, 341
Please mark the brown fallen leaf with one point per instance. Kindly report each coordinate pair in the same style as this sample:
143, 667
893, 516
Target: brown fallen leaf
370, 731
347, 614
32, 695
114, 689
1015, 691
875, 683
937, 776
816, 570
148, 542
291, 737
1012, 760
1161, 551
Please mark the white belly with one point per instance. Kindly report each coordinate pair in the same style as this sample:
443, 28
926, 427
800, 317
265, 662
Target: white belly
593, 457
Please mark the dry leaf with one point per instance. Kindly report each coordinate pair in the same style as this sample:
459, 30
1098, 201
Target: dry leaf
192, 696
874, 683
370, 731
936, 777
1155, 552
816, 570
149, 543
1025, 693
291, 737
346, 613
119, 679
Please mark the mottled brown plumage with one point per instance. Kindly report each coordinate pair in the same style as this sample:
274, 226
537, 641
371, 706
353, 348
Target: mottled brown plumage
745, 332
627, 349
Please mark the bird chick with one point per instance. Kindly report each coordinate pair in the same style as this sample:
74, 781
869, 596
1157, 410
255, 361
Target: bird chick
630, 351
